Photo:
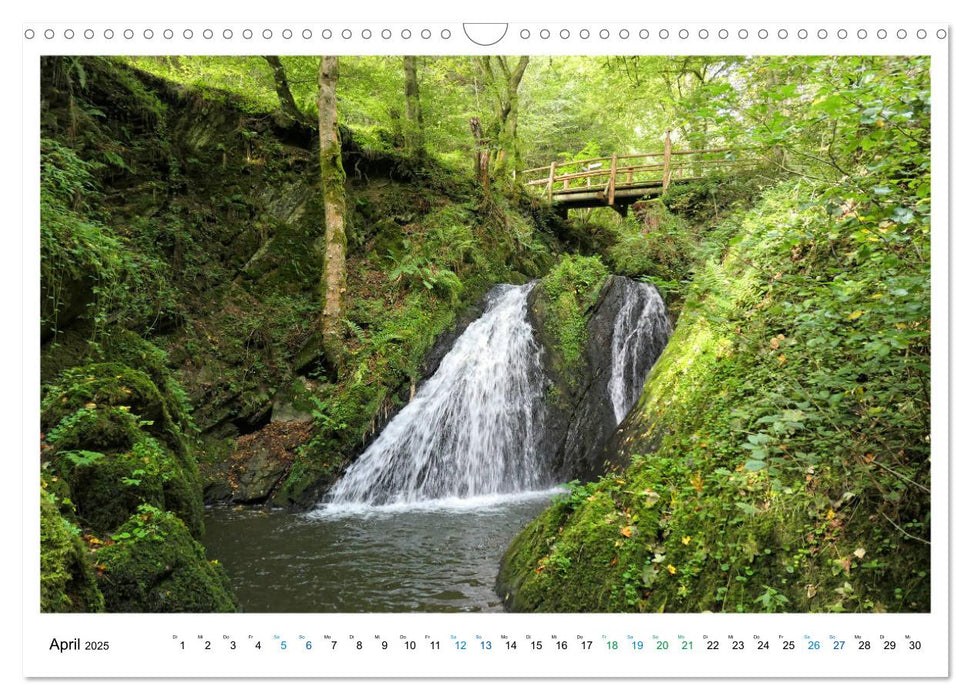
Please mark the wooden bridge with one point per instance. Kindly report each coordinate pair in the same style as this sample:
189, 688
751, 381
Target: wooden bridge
618, 181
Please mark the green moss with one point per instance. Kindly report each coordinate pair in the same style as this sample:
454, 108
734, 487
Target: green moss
656, 245
113, 384
110, 437
67, 582
332, 168
130, 349
154, 565
569, 293
590, 551
107, 487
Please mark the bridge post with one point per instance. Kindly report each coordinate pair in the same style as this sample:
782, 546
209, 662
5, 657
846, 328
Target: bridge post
666, 178
550, 185
613, 180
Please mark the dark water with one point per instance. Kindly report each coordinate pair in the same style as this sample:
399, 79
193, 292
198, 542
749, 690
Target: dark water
437, 557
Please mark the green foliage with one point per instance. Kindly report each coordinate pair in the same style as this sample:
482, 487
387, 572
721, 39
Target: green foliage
86, 268
569, 293
783, 437
74, 247
790, 419
578, 493
655, 246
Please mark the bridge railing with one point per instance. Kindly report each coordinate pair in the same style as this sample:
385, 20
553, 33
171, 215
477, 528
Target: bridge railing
631, 173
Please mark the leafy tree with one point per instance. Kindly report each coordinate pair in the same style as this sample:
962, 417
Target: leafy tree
503, 80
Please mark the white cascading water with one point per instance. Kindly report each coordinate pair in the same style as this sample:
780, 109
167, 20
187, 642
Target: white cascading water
472, 429
641, 331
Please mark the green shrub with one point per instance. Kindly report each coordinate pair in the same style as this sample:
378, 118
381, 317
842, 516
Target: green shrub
655, 245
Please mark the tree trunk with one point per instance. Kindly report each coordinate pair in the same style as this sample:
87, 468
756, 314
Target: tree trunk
414, 127
508, 155
287, 105
506, 120
334, 273
481, 154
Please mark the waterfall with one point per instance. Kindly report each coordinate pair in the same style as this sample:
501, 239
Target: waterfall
473, 428
641, 331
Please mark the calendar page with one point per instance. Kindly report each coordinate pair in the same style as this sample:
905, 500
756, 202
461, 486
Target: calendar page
539, 349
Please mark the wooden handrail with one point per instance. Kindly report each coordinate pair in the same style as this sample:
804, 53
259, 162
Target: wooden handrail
671, 165
630, 169
632, 156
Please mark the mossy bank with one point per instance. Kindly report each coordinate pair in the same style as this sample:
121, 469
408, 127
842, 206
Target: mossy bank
778, 459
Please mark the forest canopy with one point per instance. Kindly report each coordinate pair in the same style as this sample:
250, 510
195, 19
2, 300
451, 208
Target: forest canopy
588, 106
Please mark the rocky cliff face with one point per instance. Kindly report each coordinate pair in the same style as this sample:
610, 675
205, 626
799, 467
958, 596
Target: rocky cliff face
582, 418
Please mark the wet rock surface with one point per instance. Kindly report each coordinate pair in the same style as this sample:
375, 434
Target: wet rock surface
581, 417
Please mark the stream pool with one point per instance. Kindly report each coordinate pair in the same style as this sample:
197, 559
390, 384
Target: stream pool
435, 556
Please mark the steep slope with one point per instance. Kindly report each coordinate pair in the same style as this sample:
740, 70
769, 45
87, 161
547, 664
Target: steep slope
778, 459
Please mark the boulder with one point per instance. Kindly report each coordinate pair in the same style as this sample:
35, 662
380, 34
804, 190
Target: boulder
259, 462
153, 564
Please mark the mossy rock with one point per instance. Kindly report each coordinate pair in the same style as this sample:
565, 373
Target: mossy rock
106, 487
589, 552
287, 262
67, 583
565, 299
154, 565
389, 237
131, 349
116, 385
94, 429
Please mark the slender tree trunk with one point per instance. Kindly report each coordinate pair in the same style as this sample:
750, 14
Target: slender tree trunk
334, 273
287, 104
414, 127
481, 154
